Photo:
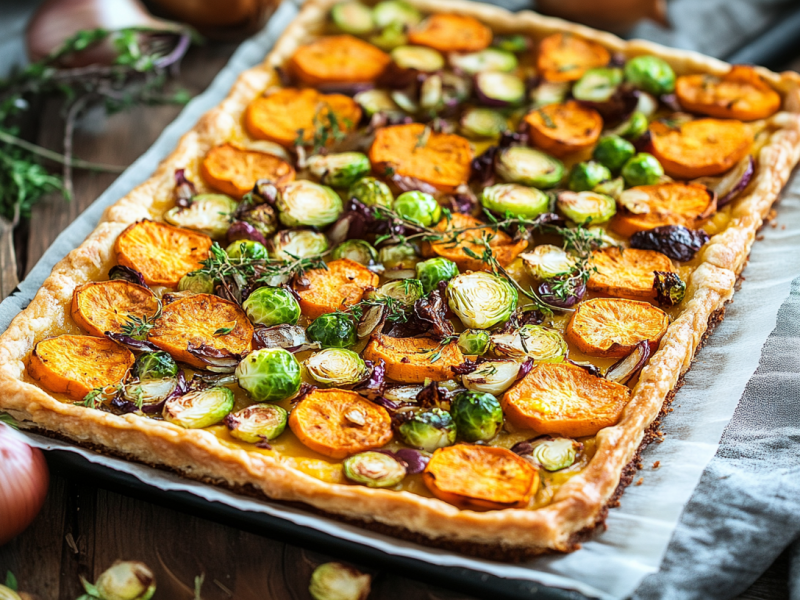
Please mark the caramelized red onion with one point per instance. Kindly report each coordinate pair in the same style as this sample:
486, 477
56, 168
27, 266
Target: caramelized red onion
732, 183
676, 241
627, 368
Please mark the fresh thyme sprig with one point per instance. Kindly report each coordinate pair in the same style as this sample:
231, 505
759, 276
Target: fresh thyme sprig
99, 395
139, 327
327, 128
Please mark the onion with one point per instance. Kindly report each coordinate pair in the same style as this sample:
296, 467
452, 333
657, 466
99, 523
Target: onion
728, 186
23, 484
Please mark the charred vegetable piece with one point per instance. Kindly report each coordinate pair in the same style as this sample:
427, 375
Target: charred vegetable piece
739, 94
481, 477
209, 213
338, 59
515, 200
269, 375
418, 58
428, 430
272, 306
495, 88
257, 423
586, 207
335, 581
76, 364
161, 253
110, 305
418, 207
540, 343
547, 261
492, 376
481, 300
473, 342
154, 365
566, 57
197, 283
526, 166
342, 284
611, 327
483, 123
676, 241
353, 17
435, 270
651, 206
566, 399
651, 74
374, 469
642, 169
613, 152
597, 85
555, 454
247, 250
405, 291
307, 203
563, 129
201, 409
262, 217
298, 243
410, 360
490, 59
234, 171
336, 367
359, 251
333, 330
585, 176
339, 170
669, 288
626, 273
372, 192
451, 33
477, 415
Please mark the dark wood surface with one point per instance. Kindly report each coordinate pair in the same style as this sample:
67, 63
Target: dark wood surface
82, 528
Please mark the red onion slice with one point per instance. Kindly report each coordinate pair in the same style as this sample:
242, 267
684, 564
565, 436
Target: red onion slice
625, 369
729, 186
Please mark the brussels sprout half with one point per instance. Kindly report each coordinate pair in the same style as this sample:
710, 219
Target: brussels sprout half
374, 469
335, 581
651, 74
494, 88
428, 430
298, 243
390, 37
633, 128
198, 283
246, 249
372, 192
398, 12
262, 217
586, 207
269, 375
418, 207
154, 365
257, 423
520, 164
434, 270
377, 101
125, 580
197, 410
272, 306
306, 203
473, 342
489, 59
418, 58
492, 376
515, 199
540, 343
549, 92
208, 213
477, 415
642, 169
149, 392
334, 367
399, 258
333, 330
360, 251
483, 123
404, 291
339, 170
547, 261
597, 85
613, 152
554, 454
353, 17
586, 175
481, 300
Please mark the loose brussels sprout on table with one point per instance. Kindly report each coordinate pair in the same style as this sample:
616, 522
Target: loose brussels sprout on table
353, 17
520, 164
492, 376
333, 330
428, 430
339, 170
554, 454
481, 300
515, 199
473, 342
586, 207
418, 58
335, 581
126, 580
434, 270
483, 123
651, 74
547, 261
247, 249
154, 365
359, 251
489, 59
419, 208
298, 243
272, 306
597, 85
405, 291
477, 415
336, 367
372, 192
586, 175
538, 342
208, 213
257, 423
642, 169
613, 152
374, 469
269, 375
198, 283
304, 203
197, 410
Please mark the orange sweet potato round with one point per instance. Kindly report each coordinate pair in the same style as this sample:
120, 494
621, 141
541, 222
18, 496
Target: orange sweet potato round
700, 147
481, 477
289, 114
342, 284
409, 360
338, 59
739, 94
76, 364
626, 273
339, 423
160, 252
564, 399
611, 327
440, 159
234, 171
106, 306
566, 57
687, 204
451, 33
196, 320
564, 128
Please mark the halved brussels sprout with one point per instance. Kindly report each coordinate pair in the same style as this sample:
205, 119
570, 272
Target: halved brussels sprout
555, 454
597, 85
477, 415
372, 192
272, 306
481, 300
154, 365
418, 58
197, 410
334, 367
586, 175
149, 391
405, 291
8, 594
360, 251
418, 207
642, 169
583, 207
339, 170
483, 123
633, 128
670, 288
246, 249
298, 243
353, 17
404, 101
377, 101
335, 581
651, 74
306, 203
613, 152
540, 343
269, 375
262, 217
492, 376
549, 92
199, 283
390, 37
520, 164
434, 270
257, 423
547, 261
403, 393
208, 213
612, 187
514, 42
395, 11
489, 59
399, 257
124, 580
428, 430
515, 199
333, 330
473, 342
374, 469
499, 89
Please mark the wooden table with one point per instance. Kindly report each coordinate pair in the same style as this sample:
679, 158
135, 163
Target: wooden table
83, 529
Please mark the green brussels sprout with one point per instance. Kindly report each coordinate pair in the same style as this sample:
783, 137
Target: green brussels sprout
154, 365
272, 306
8, 594
339, 170
477, 415
612, 187
547, 261
540, 343
642, 169
514, 42
149, 391
473, 342
208, 213
554, 454
549, 92
428, 430
247, 249
483, 123
418, 58
634, 127
492, 376
395, 12
583, 207
126, 580
651, 74
352, 17
263, 218
306, 203
481, 300
515, 199
489, 59
197, 410
298, 243
199, 283
359, 251
374, 469
419, 208
377, 101
269, 375
334, 367
520, 164
372, 192
584, 176
430, 272
390, 37
335, 581
404, 291
613, 152
257, 423
597, 85
401, 257
670, 288
333, 330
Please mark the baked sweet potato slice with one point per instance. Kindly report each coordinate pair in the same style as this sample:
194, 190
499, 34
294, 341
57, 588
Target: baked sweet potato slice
160, 252
76, 364
564, 399
739, 94
649, 206
338, 59
566, 57
289, 114
440, 159
505, 249
562, 129
410, 360
339, 423
106, 306
342, 284
626, 273
611, 327
701, 147
234, 171
200, 320
481, 477
451, 33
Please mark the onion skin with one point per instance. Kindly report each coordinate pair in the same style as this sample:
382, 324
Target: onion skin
23, 484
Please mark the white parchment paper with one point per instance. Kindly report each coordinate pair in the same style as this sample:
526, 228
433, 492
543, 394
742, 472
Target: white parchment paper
614, 562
